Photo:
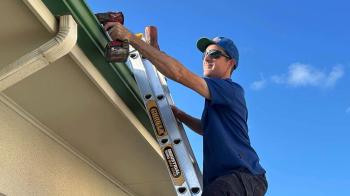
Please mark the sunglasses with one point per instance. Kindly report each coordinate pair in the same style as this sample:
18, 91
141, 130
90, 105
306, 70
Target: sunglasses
215, 54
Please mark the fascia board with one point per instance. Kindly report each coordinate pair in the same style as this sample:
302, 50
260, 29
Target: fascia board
92, 40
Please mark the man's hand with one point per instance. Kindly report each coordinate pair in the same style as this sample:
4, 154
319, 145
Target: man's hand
118, 31
191, 122
177, 112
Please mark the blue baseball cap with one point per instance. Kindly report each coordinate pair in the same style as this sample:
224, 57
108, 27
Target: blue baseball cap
225, 43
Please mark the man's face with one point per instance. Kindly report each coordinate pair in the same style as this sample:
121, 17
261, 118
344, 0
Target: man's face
216, 67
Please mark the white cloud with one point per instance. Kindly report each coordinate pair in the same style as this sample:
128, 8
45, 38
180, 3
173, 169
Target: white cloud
278, 79
305, 75
259, 84
336, 73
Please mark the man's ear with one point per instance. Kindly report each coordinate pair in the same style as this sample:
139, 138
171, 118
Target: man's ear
232, 63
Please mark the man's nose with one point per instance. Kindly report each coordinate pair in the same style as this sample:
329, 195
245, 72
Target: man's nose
207, 58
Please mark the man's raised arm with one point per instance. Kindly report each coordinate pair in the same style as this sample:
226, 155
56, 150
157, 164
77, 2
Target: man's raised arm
165, 64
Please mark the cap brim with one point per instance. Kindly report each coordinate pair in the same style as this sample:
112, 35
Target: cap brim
203, 43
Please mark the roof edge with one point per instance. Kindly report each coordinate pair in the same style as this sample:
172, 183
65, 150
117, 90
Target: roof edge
92, 40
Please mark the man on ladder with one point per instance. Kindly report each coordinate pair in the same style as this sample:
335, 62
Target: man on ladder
231, 166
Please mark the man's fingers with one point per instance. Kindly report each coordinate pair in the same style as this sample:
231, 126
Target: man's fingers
116, 30
108, 25
174, 108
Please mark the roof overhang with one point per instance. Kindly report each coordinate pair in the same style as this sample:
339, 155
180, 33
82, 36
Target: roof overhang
87, 105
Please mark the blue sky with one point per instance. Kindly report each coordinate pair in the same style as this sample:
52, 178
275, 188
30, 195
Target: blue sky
294, 67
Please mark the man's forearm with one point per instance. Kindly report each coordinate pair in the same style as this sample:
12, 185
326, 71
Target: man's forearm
193, 123
167, 65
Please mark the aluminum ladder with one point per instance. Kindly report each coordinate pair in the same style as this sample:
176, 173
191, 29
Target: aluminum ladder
170, 134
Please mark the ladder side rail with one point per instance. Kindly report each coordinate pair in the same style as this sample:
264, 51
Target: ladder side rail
145, 88
191, 172
170, 100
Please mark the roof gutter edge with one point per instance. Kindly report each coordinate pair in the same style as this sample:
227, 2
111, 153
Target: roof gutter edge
39, 58
92, 40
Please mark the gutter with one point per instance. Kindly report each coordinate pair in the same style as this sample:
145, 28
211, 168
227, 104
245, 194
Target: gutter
39, 58
92, 40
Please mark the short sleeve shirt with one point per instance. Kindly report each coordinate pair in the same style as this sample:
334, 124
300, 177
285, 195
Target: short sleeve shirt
225, 132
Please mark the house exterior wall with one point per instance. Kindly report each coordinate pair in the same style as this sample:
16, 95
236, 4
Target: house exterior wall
34, 164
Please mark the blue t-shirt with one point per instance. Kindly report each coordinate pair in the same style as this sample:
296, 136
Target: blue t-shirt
225, 131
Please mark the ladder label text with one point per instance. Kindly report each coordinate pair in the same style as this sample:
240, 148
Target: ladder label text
156, 119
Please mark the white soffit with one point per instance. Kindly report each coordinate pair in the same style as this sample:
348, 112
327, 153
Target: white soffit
63, 98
